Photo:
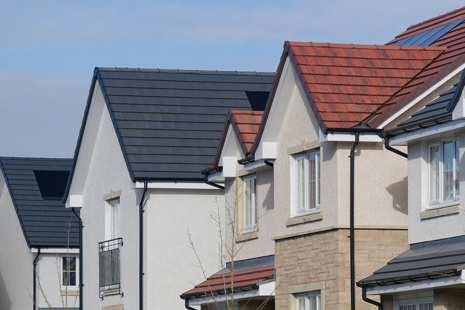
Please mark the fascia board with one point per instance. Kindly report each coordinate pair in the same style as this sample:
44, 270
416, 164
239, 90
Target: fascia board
55, 251
216, 176
173, 185
459, 110
339, 137
228, 158
425, 133
412, 286
266, 148
421, 96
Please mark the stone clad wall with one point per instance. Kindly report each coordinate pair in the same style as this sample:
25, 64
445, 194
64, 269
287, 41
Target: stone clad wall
325, 257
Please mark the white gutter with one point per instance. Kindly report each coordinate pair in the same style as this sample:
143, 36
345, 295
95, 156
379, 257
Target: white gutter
172, 185
55, 250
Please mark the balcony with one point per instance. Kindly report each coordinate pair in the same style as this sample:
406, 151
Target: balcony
109, 267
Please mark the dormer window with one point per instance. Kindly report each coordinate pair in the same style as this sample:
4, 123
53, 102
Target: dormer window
444, 172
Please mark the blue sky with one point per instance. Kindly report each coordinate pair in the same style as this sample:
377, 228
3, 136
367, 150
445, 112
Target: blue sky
48, 49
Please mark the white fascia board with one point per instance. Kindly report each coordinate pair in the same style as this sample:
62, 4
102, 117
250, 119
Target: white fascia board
425, 133
459, 110
172, 185
74, 201
256, 165
55, 251
413, 286
228, 158
423, 95
342, 137
216, 176
266, 150
263, 290
229, 166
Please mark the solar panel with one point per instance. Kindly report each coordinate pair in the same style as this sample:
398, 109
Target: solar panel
52, 183
258, 99
430, 36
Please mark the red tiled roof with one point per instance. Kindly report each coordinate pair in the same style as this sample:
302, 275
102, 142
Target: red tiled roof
346, 83
245, 124
452, 58
241, 279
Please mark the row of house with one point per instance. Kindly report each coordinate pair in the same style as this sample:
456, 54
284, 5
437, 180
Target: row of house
333, 183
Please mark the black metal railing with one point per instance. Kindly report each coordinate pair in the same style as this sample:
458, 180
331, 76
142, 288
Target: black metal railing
109, 266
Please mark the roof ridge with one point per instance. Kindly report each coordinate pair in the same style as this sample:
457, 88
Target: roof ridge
367, 46
435, 18
181, 71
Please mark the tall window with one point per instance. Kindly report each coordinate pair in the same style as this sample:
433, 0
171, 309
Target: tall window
444, 171
113, 219
250, 203
308, 301
69, 271
308, 182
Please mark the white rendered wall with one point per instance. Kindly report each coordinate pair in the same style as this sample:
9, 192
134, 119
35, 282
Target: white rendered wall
171, 263
438, 227
108, 171
16, 275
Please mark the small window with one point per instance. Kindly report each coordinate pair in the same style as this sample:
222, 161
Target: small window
112, 219
307, 183
308, 301
415, 304
444, 172
69, 272
250, 203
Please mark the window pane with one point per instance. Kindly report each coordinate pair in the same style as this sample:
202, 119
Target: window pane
313, 303
248, 203
434, 172
311, 181
457, 168
301, 304
448, 185
300, 184
114, 219
254, 201
69, 271
318, 165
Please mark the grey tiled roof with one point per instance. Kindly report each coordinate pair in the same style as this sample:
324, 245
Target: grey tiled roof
423, 261
169, 122
44, 222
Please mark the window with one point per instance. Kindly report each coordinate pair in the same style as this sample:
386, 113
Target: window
307, 182
112, 219
69, 272
444, 172
415, 304
308, 301
250, 203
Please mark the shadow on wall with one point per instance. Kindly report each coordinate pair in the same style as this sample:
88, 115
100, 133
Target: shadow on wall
268, 202
398, 192
5, 302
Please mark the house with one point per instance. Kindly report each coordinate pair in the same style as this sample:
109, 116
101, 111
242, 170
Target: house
308, 194
429, 273
39, 245
145, 135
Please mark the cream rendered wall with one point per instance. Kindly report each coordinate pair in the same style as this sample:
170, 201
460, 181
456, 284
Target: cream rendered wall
438, 227
380, 176
171, 262
49, 272
16, 275
263, 245
107, 170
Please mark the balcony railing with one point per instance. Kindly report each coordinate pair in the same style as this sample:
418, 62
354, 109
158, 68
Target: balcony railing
109, 267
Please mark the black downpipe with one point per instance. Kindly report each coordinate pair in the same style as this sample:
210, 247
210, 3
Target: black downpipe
81, 255
34, 290
370, 301
186, 303
352, 229
205, 177
388, 147
141, 248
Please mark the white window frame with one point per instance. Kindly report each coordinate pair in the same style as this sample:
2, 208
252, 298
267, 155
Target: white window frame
296, 211
112, 206
253, 199
439, 203
306, 296
413, 302
69, 287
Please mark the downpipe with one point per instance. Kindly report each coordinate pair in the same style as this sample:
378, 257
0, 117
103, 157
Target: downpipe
34, 290
352, 228
370, 301
81, 265
390, 148
186, 304
141, 247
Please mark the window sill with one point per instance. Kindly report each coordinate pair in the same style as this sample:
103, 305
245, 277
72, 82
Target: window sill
440, 211
247, 236
318, 216
69, 292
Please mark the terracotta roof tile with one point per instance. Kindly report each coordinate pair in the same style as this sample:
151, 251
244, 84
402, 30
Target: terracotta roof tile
454, 56
241, 279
